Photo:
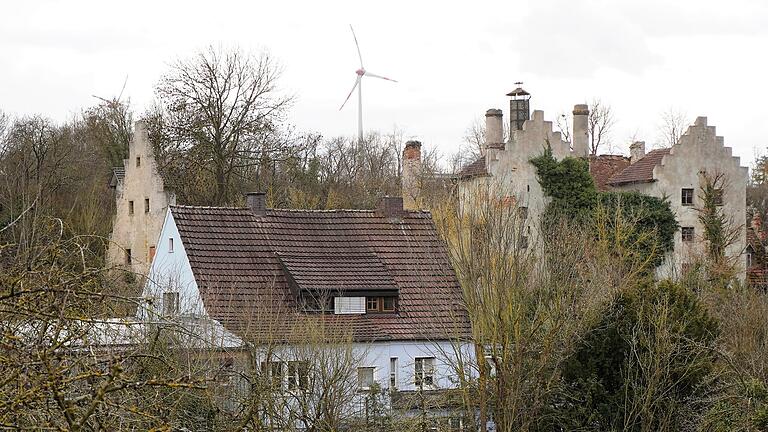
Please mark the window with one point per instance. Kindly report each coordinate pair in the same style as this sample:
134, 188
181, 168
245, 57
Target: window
146, 205
128, 257
523, 212
348, 305
372, 304
138, 161
749, 259
130, 207
388, 304
393, 373
717, 197
170, 303
687, 234
523, 242
151, 253
170, 245
273, 373
298, 375
365, 377
424, 368
686, 197
381, 304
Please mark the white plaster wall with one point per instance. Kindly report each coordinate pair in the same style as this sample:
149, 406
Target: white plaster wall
171, 272
138, 231
699, 151
511, 171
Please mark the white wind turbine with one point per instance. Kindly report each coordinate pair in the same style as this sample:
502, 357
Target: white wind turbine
358, 85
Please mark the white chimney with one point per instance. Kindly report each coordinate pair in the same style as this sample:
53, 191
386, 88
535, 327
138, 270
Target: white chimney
411, 180
580, 130
494, 134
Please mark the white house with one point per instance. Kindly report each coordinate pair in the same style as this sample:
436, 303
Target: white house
255, 275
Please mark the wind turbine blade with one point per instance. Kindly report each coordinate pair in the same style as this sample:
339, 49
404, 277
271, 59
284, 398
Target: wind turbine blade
357, 81
378, 76
358, 47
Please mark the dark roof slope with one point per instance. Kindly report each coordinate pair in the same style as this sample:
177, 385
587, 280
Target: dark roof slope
603, 167
640, 171
241, 263
475, 169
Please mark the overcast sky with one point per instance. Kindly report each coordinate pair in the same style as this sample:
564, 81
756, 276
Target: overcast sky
452, 63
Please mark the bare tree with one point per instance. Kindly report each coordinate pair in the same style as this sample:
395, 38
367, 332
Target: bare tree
599, 124
218, 115
672, 126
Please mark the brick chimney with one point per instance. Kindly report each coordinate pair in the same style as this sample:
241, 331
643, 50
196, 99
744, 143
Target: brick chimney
636, 151
411, 179
580, 130
391, 207
256, 203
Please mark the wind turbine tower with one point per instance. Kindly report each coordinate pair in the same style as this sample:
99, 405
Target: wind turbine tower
359, 86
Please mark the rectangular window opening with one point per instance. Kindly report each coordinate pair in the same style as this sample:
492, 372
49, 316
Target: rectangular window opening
687, 234
138, 161
151, 253
298, 375
393, 373
365, 378
686, 197
273, 373
146, 205
128, 256
130, 207
424, 371
170, 245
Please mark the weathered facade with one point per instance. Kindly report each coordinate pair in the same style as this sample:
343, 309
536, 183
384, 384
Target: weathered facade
141, 204
678, 174
664, 173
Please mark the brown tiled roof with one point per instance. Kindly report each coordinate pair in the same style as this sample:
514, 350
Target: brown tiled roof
338, 273
640, 171
603, 167
475, 169
242, 264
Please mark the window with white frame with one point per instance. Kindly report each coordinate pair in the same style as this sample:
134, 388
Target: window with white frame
272, 372
298, 375
424, 371
393, 373
365, 378
170, 303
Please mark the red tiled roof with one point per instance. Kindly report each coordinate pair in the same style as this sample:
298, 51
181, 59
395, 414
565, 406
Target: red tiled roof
640, 171
603, 167
475, 169
242, 262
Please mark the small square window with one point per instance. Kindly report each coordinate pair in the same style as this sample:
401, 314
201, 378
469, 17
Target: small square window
130, 207
128, 256
146, 205
372, 304
170, 245
686, 197
687, 234
365, 377
170, 303
388, 304
138, 161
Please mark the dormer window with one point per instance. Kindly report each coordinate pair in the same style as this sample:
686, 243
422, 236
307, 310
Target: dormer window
383, 304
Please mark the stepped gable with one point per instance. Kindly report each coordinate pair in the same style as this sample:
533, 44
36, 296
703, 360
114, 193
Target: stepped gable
640, 171
243, 265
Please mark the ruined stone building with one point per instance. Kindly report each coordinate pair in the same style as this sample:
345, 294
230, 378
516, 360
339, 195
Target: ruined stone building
141, 204
674, 173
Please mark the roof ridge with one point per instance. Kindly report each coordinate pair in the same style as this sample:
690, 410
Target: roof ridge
420, 211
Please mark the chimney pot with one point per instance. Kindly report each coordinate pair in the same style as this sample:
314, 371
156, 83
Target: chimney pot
636, 151
257, 203
494, 134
